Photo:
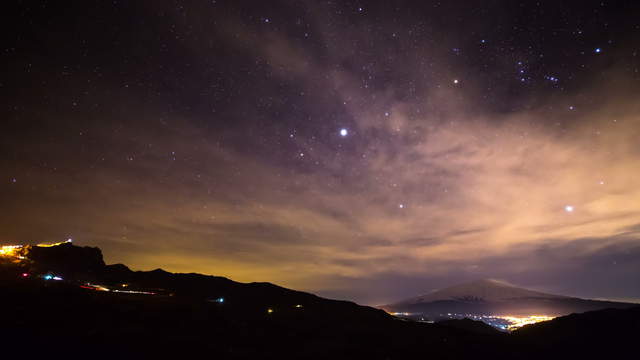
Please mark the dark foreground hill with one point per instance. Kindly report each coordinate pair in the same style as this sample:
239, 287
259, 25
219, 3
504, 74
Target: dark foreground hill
188, 316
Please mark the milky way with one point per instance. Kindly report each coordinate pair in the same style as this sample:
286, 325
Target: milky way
359, 150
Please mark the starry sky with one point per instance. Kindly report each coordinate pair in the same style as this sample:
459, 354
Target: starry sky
359, 150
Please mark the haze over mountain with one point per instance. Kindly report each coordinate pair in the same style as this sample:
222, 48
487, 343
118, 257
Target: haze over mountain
489, 296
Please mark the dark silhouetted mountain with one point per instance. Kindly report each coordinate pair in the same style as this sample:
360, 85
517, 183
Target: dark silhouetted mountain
470, 325
186, 318
496, 297
67, 258
602, 334
198, 316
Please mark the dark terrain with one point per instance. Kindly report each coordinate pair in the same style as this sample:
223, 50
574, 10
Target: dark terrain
185, 318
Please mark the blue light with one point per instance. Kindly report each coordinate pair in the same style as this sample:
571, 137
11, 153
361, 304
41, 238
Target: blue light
220, 300
48, 277
551, 78
598, 50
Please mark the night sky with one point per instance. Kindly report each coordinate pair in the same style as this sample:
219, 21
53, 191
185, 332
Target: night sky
368, 151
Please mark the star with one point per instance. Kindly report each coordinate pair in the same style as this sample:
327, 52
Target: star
597, 50
568, 208
455, 81
344, 132
401, 206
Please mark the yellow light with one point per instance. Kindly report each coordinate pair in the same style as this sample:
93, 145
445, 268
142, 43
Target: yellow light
269, 311
14, 253
10, 250
54, 244
520, 321
298, 306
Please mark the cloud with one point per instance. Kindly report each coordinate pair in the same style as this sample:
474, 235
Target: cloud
432, 183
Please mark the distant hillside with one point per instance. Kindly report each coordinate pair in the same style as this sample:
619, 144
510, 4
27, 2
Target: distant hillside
495, 297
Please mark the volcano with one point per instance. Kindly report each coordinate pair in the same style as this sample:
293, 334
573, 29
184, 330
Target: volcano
494, 297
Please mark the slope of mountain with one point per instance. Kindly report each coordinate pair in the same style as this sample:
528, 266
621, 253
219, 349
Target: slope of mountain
602, 334
480, 291
157, 314
493, 297
84, 267
109, 311
469, 325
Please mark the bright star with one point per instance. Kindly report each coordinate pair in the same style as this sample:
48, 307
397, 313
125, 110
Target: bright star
455, 81
401, 206
344, 132
568, 208
598, 50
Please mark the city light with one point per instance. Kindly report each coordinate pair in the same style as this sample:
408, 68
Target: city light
520, 321
55, 244
94, 287
17, 253
501, 322
10, 250
52, 277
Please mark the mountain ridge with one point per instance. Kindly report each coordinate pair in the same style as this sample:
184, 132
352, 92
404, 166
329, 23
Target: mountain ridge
188, 315
482, 289
490, 296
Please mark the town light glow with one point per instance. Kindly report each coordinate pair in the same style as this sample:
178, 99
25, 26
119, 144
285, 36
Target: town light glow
10, 250
520, 321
